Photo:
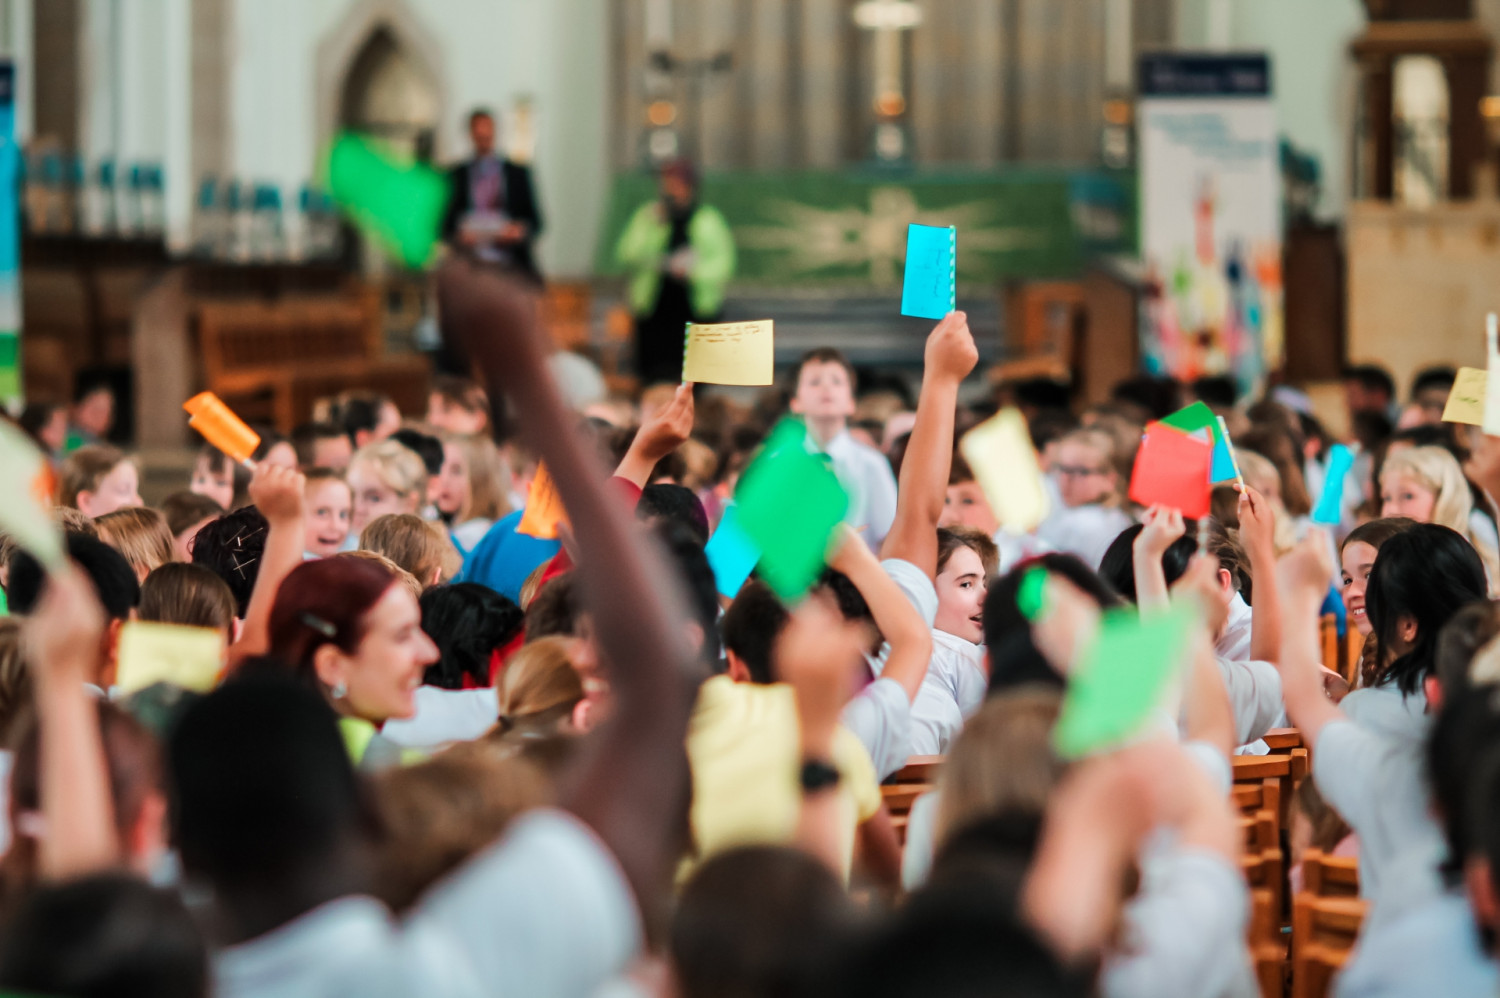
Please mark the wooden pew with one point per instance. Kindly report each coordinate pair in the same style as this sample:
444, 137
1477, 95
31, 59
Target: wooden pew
270, 359
1326, 919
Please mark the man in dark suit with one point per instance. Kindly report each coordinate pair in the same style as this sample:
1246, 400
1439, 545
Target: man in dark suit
492, 210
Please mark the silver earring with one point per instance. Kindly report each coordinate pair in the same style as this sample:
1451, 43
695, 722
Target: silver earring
340, 690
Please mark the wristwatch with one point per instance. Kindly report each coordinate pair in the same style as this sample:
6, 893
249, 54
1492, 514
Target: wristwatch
818, 775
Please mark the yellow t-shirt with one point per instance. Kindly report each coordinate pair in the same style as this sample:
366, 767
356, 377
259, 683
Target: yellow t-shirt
744, 747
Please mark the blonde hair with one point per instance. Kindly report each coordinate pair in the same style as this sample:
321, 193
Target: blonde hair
1438, 471
539, 683
1002, 759
402, 575
399, 467
84, 469
489, 478
141, 535
413, 544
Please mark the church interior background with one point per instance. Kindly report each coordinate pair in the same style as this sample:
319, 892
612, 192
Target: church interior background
172, 205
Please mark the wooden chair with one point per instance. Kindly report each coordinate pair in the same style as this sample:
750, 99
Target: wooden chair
918, 769
899, 797
1326, 919
1354, 645
1323, 934
1328, 635
1330, 876
1262, 862
1267, 769
1283, 739
1267, 945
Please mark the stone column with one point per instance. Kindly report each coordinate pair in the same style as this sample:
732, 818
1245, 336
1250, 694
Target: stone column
821, 95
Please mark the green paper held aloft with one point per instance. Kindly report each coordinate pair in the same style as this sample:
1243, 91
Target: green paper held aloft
1197, 416
399, 204
790, 502
1122, 678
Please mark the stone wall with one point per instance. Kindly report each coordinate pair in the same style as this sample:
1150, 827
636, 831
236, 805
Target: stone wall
1420, 283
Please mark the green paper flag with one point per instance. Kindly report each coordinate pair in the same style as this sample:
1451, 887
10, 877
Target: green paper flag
789, 503
1195, 417
399, 204
1121, 678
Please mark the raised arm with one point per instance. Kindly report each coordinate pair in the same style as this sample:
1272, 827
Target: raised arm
898, 620
65, 643
1257, 534
278, 493
659, 436
816, 654
1159, 531
1303, 577
630, 778
949, 357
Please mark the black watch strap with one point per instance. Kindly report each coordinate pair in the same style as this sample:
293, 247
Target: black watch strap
818, 775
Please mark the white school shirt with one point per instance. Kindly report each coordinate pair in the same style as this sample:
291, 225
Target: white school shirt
1234, 639
866, 475
880, 717
1254, 690
1433, 949
955, 684
1085, 531
445, 716
545, 911
1371, 770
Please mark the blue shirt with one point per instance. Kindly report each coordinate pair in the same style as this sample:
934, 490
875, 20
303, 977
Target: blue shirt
503, 559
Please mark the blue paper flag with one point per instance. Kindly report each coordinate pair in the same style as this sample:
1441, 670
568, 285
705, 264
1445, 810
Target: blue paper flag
1331, 502
931, 288
731, 554
1223, 468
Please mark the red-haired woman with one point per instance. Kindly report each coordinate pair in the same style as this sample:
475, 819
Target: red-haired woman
349, 625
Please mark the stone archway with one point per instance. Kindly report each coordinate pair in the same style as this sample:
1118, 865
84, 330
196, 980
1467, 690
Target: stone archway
381, 65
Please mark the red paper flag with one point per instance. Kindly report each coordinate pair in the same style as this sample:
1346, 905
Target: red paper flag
1172, 468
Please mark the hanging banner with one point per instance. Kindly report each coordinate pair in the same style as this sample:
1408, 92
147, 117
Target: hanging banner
10, 242
1210, 196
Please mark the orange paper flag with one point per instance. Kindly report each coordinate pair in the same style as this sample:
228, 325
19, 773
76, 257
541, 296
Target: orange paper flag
544, 508
221, 427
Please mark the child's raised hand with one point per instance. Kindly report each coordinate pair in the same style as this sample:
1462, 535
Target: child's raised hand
1160, 529
278, 492
950, 351
669, 427
1257, 524
817, 654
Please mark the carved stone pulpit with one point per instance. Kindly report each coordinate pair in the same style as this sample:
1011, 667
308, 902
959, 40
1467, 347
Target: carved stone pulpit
1444, 30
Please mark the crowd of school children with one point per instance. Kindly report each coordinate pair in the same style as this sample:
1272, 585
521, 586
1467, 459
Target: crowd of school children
448, 757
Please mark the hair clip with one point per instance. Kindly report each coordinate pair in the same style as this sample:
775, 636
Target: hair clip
320, 625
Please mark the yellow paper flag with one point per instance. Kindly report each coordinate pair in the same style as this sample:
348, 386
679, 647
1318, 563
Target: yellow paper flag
729, 353
544, 508
1466, 400
149, 653
1004, 463
24, 512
